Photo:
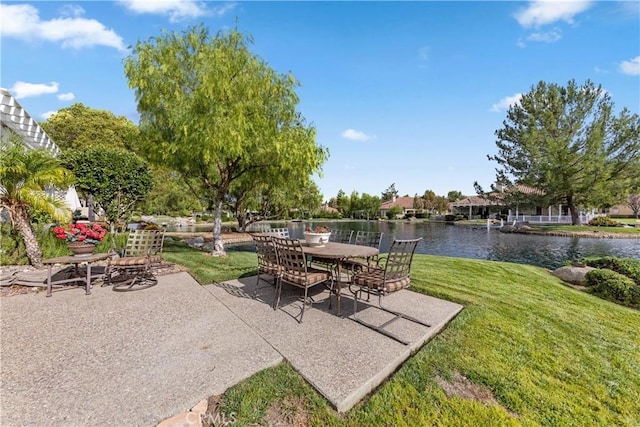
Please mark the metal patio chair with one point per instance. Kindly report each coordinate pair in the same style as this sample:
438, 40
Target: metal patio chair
267, 259
295, 271
391, 274
341, 236
135, 268
363, 238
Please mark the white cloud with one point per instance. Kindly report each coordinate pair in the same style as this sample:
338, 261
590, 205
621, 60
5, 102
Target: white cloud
177, 10
551, 36
543, 12
25, 90
356, 135
506, 102
71, 30
69, 96
47, 114
631, 67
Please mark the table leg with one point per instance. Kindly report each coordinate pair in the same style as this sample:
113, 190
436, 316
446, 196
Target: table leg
339, 284
49, 280
88, 288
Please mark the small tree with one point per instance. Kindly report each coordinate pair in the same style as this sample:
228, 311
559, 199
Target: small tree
394, 211
117, 179
25, 177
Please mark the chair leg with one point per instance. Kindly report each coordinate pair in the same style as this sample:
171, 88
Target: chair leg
278, 292
304, 303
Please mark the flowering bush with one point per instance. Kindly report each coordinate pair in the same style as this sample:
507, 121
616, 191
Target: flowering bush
318, 229
79, 232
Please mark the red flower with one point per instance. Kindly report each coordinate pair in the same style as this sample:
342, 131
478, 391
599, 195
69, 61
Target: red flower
80, 232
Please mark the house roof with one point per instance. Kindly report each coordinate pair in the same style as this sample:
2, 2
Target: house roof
493, 198
404, 202
472, 201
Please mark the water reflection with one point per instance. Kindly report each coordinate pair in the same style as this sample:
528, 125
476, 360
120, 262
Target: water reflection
481, 243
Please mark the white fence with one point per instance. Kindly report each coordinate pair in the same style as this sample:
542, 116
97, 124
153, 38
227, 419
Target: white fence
550, 219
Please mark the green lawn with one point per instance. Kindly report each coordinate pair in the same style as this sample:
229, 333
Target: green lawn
549, 354
588, 229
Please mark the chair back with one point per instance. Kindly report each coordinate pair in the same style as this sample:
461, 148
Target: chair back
341, 236
398, 260
279, 232
292, 259
266, 251
368, 238
144, 243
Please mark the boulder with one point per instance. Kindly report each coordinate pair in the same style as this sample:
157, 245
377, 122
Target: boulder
572, 274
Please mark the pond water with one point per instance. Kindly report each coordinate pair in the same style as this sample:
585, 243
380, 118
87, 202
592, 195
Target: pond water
480, 243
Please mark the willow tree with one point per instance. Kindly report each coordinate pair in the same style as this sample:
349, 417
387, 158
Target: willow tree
568, 143
212, 110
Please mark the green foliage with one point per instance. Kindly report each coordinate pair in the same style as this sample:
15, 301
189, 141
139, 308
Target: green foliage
12, 249
567, 142
612, 286
170, 195
78, 127
394, 211
117, 179
454, 195
25, 174
625, 266
327, 214
604, 221
389, 193
232, 116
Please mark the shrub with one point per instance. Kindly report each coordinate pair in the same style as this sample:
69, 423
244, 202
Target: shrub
625, 266
604, 221
449, 218
12, 250
612, 286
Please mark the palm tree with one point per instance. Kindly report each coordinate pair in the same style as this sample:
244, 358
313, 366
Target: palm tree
25, 174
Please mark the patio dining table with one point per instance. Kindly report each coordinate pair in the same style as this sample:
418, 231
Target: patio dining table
338, 252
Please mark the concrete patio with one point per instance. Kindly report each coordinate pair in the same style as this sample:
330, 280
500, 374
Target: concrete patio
137, 358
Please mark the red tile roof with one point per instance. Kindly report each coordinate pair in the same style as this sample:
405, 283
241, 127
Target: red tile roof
403, 202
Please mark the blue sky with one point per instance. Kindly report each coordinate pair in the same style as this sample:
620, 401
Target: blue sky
409, 93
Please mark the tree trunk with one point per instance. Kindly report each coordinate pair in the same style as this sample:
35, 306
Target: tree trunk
21, 221
91, 215
242, 224
218, 244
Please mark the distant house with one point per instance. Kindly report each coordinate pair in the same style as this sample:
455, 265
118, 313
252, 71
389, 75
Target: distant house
328, 209
406, 203
475, 207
